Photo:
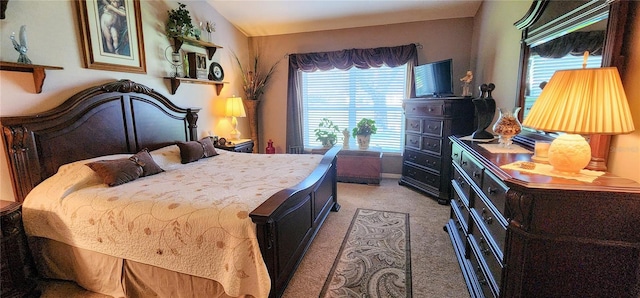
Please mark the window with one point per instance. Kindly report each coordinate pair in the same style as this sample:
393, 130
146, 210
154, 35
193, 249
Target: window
345, 97
541, 69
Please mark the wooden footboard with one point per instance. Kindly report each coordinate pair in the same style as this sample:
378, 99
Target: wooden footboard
289, 220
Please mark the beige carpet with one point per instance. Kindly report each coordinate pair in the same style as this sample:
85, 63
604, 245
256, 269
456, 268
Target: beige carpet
434, 269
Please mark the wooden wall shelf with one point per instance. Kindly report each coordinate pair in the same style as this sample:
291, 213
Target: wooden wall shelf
37, 70
175, 83
210, 47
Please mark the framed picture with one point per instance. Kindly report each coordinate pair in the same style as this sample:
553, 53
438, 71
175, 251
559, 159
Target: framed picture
111, 33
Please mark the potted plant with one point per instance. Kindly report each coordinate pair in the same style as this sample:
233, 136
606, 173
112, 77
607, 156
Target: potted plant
363, 131
327, 133
178, 25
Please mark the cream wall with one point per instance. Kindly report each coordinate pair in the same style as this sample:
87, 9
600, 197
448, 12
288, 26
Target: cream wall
496, 47
624, 155
53, 36
441, 39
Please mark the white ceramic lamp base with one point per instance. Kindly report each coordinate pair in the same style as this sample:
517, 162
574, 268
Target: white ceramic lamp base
569, 153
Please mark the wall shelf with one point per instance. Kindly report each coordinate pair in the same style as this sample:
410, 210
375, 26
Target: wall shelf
37, 70
175, 83
210, 47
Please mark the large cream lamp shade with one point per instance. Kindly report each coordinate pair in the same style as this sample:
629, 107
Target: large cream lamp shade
580, 101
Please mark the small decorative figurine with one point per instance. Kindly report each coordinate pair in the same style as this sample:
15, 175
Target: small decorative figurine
466, 82
22, 46
345, 141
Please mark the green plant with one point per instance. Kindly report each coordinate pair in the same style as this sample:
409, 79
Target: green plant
179, 22
365, 127
254, 81
327, 132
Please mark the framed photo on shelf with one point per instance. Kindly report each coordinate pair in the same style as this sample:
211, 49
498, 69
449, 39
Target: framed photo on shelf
111, 33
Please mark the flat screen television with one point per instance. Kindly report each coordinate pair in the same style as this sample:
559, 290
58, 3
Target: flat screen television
434, 79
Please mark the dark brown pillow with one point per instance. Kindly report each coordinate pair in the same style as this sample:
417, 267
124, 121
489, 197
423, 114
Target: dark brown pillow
149, 166
195, 150
117, 171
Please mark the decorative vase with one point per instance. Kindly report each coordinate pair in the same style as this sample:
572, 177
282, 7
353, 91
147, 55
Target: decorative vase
270, 149
363, 141
251, 106
507, 126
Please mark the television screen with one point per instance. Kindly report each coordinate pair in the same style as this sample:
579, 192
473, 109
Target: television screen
434, 79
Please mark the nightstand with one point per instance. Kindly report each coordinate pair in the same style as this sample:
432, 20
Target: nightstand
242, 145
17, 270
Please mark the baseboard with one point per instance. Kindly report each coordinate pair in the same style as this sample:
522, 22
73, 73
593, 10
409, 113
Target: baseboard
391, 175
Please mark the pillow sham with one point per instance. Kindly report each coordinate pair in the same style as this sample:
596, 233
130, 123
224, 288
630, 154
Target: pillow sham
195, 150
149, 166
117, 171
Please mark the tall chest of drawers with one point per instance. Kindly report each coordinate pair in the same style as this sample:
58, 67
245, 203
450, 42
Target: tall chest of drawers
427, 153
518, 234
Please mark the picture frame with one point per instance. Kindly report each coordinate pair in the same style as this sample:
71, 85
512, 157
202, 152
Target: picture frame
111, 33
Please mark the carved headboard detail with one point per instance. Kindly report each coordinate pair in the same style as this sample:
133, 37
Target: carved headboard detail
116, 117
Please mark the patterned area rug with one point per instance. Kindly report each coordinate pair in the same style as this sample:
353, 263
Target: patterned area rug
374, 259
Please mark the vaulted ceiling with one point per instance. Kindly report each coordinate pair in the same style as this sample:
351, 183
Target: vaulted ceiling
273, 17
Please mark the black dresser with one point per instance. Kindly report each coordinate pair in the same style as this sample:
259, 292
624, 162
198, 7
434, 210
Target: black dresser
427, 152
519, 234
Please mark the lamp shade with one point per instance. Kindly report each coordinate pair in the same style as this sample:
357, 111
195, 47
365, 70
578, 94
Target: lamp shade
235, 107
582, 101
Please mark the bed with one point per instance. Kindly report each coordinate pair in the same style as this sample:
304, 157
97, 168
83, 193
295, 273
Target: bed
123, 118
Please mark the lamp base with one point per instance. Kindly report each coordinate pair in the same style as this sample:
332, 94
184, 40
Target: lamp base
234, 134
569, 153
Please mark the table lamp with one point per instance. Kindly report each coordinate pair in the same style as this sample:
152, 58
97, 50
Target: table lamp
235, 108
580, 101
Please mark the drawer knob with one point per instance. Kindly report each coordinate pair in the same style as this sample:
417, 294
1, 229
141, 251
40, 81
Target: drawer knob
476, 174
487, 219
413, 142
492, 191
464, 163
484, 248
455, 155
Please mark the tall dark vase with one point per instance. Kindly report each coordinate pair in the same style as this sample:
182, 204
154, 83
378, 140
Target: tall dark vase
485, 109
251, 106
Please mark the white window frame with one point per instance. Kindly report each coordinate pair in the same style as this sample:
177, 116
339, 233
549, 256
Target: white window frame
335, 96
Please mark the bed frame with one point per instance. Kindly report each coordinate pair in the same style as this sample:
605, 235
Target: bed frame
125, 117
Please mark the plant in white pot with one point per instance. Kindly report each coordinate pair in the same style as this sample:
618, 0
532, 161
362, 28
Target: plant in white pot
363, 131
327, 133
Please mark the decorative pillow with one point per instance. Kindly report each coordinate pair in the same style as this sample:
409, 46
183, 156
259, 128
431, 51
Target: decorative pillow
195, 150
167, 157
149, 166
117, 171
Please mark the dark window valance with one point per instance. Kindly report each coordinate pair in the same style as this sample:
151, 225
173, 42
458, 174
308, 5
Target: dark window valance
360, 58
575, 43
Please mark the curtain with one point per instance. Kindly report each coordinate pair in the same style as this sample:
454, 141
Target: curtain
343, 60
575, 43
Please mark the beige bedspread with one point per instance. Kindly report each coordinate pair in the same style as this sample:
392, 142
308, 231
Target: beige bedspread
191, 218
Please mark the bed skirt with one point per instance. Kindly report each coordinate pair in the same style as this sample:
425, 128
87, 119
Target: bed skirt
114, 276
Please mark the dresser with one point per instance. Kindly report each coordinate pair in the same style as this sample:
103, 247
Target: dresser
517, 234
426, 162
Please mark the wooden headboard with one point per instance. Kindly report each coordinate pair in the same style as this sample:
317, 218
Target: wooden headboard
117, 117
